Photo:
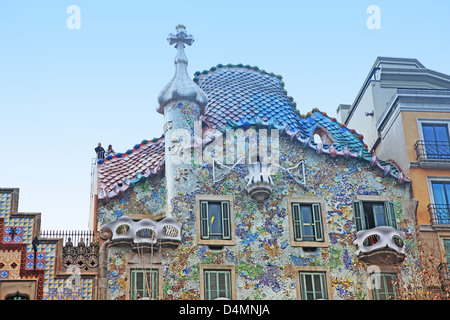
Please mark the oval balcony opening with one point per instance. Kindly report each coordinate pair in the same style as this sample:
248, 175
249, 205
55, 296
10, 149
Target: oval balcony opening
398, 241
371, 240
123, 229
145, 233
170, 231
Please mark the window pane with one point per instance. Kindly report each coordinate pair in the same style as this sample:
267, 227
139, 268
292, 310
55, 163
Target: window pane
439, 193
429, 136
369, 215
307, 220
152, 279
144, 284
447, 249
139, 285
215, 220
308, 282
378, 211
428, 132
441, 133
447, 192
436, 141
306, 214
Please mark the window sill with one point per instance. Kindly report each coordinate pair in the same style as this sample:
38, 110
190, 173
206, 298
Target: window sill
318, 244
440, 226
430, 163
216, 242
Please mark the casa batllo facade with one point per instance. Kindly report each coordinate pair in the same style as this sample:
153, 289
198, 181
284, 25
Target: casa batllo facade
312, 215
242, 197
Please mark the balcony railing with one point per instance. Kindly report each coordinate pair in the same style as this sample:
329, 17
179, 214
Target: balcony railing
439, 213
74, 236
432, 150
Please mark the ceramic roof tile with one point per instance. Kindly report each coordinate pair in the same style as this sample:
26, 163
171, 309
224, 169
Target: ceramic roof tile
240, 89
113, 172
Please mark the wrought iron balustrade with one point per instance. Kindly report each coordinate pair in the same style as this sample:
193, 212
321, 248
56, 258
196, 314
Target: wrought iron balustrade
432, 150
75, 236
80, 248
439, 213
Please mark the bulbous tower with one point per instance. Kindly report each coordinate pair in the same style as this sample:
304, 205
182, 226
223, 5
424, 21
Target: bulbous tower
181, 102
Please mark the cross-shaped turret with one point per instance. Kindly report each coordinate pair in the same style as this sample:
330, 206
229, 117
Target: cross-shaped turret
181, 88
180, 39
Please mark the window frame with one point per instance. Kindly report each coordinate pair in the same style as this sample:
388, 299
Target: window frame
430, 180
443, 237
313, 270
217, 268
292, 234
388, 212
427, 121
199, 199
159, 277
437, 122
383, 273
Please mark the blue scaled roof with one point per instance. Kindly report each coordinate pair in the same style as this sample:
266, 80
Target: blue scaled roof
236, 92
241, 96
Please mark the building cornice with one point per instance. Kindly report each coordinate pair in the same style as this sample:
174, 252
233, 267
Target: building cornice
413, 100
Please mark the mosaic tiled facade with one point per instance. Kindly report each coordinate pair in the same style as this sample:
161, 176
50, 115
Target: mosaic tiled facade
264, 260
20, 267
261, 256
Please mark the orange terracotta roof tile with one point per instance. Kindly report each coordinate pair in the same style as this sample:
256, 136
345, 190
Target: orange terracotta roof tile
116, 173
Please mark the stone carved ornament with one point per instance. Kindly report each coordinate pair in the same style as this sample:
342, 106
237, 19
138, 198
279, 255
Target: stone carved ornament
85, 257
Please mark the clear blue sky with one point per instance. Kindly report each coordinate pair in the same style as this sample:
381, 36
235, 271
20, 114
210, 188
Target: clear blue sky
62, 91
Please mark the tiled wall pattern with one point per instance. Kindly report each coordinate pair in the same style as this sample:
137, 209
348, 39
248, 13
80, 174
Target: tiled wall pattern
17, 260
264, 260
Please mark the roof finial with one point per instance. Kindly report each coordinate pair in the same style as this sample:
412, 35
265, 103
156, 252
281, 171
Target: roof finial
180, 39
181, 87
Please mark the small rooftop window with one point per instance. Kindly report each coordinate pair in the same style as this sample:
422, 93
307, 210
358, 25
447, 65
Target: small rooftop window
320, 135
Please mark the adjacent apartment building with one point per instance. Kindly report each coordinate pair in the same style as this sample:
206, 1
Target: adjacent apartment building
403, 111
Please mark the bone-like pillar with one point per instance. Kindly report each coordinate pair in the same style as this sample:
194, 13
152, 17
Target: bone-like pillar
181, 102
